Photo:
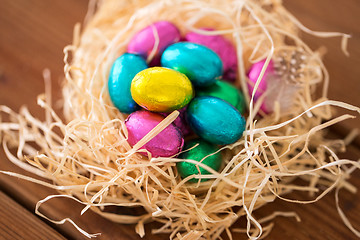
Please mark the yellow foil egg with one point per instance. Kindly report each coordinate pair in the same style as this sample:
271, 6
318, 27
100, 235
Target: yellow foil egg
161, 89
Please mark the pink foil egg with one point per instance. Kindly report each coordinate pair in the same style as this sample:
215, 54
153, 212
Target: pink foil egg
181, 122
253, 75
167, 143
223, 47
277, 89
143, 42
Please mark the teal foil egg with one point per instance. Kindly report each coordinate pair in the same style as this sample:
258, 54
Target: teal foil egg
225, 91
198, 154
215, 120
121, 74
199, 63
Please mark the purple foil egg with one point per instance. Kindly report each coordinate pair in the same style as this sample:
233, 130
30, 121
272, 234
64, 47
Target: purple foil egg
143, 42
253, 75
167, 143
223, 47
181, 122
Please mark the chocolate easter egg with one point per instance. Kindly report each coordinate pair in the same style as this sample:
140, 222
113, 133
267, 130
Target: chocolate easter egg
222, 46
276, 88
121, 74
215, 120
199, 153
199, 63
144, 41
254, 73
224, 91
181, 122
161, 89
167, 143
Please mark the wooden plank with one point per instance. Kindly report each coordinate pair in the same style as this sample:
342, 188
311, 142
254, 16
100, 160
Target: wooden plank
319, 220
35, 33
335, 16
19, 224
28, 194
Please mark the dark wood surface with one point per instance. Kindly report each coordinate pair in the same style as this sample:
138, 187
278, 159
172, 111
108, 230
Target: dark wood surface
18, 223
335, 16
32, 36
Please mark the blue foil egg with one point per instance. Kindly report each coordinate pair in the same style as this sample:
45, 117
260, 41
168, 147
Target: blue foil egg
121, 74
199, 63
215, 120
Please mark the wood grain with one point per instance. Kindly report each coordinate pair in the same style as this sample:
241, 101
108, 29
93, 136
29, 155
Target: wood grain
17, 223
33, 34
335, 16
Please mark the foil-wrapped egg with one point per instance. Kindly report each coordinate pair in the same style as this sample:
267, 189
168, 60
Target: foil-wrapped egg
226, 92
204, 152
254, 73
199, 63
181, 121
215, 120
222, 46
275, 87
121, 74
144, 41
161, 89
167, 143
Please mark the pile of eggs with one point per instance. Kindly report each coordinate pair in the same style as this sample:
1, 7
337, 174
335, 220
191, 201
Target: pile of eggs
192, 76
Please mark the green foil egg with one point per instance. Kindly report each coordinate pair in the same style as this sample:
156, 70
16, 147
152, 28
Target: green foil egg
199, 152
226, 92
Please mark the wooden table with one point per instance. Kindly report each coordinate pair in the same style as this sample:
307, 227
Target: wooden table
32, 35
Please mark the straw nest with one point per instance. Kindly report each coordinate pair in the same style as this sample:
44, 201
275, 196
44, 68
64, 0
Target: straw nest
87, 158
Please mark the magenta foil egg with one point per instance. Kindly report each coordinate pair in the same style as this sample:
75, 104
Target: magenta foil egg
277, 88
143, 42
181, 122
166, 144
253, 74
222, 46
